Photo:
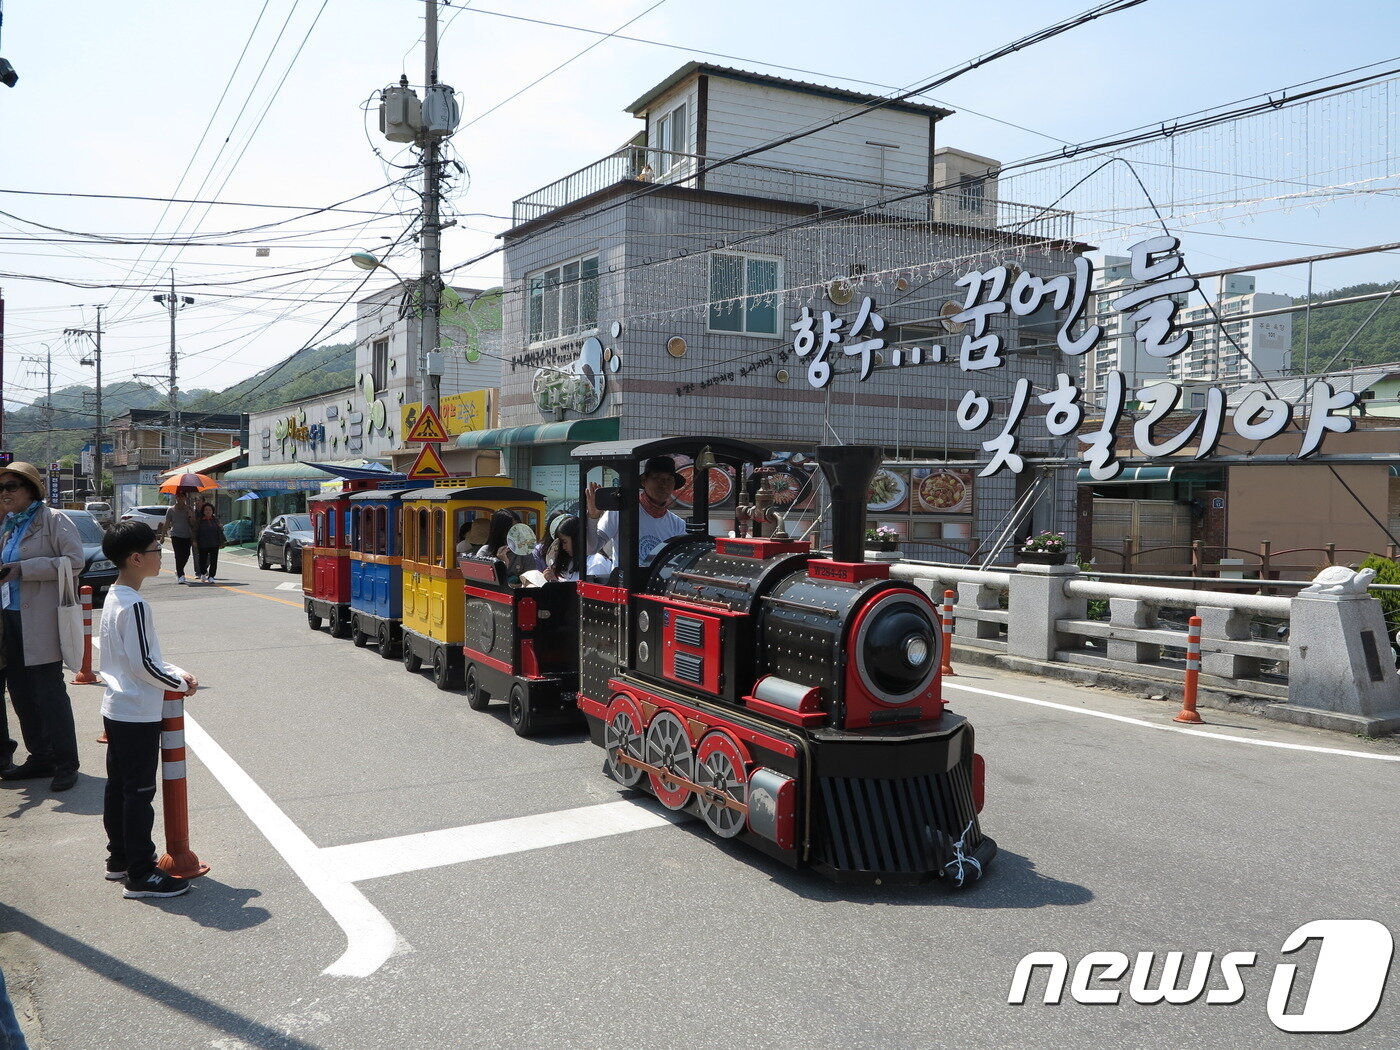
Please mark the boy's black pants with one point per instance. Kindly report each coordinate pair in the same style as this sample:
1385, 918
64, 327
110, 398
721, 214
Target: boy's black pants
128, 812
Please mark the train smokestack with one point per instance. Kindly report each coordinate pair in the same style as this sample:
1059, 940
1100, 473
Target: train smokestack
849, 469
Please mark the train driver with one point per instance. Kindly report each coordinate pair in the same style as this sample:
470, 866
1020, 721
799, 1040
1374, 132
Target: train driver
655, 525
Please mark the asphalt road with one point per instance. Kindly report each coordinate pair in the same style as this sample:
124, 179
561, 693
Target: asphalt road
314, 764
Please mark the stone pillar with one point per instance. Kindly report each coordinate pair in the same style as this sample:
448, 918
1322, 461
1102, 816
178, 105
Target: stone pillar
975, 596
1037, 600
1230, 625
1340, 662
1133, 613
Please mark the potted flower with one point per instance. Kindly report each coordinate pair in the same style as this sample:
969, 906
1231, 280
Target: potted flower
1049, 548
881, 538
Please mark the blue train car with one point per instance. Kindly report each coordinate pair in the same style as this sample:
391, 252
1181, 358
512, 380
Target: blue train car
376, 582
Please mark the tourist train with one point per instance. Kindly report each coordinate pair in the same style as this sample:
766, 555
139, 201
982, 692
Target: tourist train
790, 698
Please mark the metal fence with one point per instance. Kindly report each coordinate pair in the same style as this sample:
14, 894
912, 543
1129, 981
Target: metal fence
642, 165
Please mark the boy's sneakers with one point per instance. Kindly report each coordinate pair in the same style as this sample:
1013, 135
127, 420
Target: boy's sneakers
116, 869
179, 579
156, 884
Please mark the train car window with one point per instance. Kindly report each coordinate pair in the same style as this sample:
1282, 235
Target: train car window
439, 526
407, 548
369, 531
355, 529
425, 545
529, 516
319, 529
381, 530
331, 517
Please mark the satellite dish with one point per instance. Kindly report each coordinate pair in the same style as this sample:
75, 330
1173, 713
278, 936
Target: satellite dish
840, 292
951, 309
520, 539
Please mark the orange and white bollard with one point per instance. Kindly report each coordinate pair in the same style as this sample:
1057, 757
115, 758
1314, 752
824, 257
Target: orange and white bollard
85, 675
1193, 673
947, 618
179, 859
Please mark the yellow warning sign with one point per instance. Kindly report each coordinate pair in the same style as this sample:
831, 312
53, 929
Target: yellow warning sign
427, 427
428, 464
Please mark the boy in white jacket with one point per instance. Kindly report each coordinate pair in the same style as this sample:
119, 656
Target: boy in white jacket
137, 678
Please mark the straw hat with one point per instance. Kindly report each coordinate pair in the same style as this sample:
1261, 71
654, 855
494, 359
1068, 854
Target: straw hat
29, 473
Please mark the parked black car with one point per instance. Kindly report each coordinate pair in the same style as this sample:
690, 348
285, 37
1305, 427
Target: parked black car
98, 573
283, 540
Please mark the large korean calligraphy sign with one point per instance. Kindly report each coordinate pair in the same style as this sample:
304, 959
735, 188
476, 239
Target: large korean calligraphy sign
1148, 313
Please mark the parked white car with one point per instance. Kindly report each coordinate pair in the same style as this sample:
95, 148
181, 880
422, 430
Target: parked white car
154, 516
101, 512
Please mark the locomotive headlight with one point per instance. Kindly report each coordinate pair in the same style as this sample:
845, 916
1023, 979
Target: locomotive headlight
896, 646
916, 650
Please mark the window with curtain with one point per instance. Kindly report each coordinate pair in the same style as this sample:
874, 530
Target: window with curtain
564, 299
744, 293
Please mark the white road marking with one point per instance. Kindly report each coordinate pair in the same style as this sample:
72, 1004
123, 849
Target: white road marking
1171, 728
330, 873
432, 849
290, 585
370, 940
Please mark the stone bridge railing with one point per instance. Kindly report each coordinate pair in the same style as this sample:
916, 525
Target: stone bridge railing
1321, 660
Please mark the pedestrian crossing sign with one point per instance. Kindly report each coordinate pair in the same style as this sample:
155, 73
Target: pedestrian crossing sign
428, 464
427, 427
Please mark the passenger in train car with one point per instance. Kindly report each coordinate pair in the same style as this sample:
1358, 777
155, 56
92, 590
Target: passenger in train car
560, 557
655, 525
472, 535
495, 547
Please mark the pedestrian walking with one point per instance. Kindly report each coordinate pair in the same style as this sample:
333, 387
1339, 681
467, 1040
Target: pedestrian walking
180, 525
36, 544
133, 704
209, 537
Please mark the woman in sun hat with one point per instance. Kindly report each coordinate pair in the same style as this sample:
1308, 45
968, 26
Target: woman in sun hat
36, 544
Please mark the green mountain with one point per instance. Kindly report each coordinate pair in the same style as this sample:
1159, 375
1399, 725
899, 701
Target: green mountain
32, 437
1329, 328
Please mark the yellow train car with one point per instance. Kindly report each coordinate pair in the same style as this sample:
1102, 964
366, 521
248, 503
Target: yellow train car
432, 522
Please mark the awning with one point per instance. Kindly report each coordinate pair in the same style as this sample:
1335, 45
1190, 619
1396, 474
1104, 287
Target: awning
282, 477
1130, 476
573, 430
209, 464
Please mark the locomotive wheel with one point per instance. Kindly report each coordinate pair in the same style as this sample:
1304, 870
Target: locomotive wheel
478, 699
358, 638
666, 745
522, 718
312, 620
411, 661
340, 622
720, 765
386, 642
623, 736
443, 677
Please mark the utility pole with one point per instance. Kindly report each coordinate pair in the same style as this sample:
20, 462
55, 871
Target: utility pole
431, 233
96, 361
48, 390
173, 303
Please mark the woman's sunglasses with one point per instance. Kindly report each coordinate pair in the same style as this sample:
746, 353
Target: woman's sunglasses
11, 486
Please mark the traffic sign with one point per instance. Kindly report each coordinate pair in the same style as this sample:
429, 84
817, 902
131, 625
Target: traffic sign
427, 427
428, 464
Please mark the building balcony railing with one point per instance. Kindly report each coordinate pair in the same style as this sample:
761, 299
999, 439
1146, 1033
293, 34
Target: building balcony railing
137, 458
640, 164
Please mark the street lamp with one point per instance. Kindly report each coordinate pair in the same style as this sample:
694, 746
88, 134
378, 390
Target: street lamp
369, 261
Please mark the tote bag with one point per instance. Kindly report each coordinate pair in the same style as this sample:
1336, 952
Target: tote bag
70, 618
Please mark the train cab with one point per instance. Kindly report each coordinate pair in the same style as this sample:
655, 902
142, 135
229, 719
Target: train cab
325, 568
433, 523
376, 586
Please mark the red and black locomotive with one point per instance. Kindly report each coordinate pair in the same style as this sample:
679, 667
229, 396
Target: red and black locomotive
789, 700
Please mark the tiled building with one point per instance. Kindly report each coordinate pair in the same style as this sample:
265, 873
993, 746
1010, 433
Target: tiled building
690, 276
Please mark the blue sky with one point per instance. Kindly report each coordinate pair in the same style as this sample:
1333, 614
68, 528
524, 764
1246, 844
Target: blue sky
113, 98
